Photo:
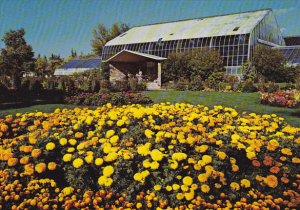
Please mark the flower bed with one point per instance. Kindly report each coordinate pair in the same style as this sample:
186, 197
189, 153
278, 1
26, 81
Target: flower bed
281, 98
151, 157
99, 99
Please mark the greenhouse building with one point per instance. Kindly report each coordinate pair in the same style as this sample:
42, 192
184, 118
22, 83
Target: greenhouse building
143, 48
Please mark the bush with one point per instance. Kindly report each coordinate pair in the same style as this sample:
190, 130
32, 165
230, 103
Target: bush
4, 92
196, 84
182, 84
95, 86
132, 82
214, 80
248, 87
289, 99
272, 87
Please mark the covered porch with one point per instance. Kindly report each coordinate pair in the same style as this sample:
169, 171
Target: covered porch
144, 67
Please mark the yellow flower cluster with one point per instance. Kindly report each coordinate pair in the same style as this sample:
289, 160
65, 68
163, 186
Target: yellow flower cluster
163, 156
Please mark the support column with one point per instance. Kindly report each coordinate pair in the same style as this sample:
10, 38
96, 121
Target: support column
159, 74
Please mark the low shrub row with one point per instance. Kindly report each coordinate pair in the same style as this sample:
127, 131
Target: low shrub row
289, 99
98, 99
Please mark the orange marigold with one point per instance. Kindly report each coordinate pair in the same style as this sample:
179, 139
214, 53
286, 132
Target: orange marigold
295, 160
285, 180
52, 166
36, 153
268, 161
255, 163
286, 151
24, 160
40, 168
271, 181
12, 161
274, 169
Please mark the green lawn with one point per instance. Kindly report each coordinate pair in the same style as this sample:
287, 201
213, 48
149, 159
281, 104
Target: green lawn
248, 102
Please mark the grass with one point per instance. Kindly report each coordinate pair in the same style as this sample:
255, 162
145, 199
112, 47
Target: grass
243, 102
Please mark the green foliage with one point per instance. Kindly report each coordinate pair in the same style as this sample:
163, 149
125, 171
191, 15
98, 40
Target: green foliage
196, 84
269, 63
101, 35
16, 57
204, 62
54, 62
214, 79
41, 64
248, 87
175, 67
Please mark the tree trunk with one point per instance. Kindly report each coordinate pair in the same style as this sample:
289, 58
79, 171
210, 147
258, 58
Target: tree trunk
16, 82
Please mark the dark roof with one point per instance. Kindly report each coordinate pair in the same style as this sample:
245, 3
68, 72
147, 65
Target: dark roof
292, 40
82, 63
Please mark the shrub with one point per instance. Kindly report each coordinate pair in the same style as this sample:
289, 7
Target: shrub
272, 87
132, 82
182, 84
4, 92
214, 80
196, 84
248, 87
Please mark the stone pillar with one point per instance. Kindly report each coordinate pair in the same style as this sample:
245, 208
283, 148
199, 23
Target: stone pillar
159, 74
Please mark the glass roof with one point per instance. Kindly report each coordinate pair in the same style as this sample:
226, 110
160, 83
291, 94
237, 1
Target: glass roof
82, 63
292, 54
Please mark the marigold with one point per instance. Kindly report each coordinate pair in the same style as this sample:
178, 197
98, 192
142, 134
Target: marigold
52, 166
24, 160
67, 157
187, 180
63, 141
114, 139
157, 187
295, 160
156, 155
50, 146
98, 161
77, 163
202, 178
268, 161
12, 162
207, 159
274, 169
284, 180
40, 168
108, 171
205, 188
154, 165
35, 153
78, 135
272, 145
234, 138
286, 151
235, 168
271, 181
179, 156
245, 183
255, 163
189, 195
180, 196
176, 186
221, 155
89, 158
72, 142
234, 186
174, 164
149, 133
202, 148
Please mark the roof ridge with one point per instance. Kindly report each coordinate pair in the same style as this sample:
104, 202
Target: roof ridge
211, 16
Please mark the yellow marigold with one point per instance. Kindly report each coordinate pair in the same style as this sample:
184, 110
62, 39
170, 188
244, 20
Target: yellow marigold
138, 177
109, 133
235, 138
98, 161
108, 171
271, 181
149, 133
202, 177
245, 183
169, 188
72, 142
29, 169
124, 130
234, 186
102, 180
189, 195
207, 159
205, 188
63, 141
77, 163
108, 182
251, 155
78, 135
67, 191
272, 145
154, 165
114, 139
28, 149
156, 155
12, 161
147, 163
52, 166
144, 149
157, 187
89, 158
174, 165
24, 160
112, 156
67, 157
221, 155
286, 151
50, 146
40, 168
176, 186
235, 168
178, 156
89, 120
180, 196
35, 153
202, 148
187, 181
139, 205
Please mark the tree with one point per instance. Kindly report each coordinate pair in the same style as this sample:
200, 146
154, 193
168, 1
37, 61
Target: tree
189, 65
41, 64
72, 55
269, 63
204, 62
101, 35
16, 57
55, 61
